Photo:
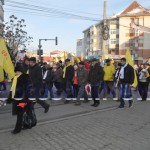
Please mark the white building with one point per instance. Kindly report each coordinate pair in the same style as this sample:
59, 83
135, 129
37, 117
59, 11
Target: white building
80, 48
93, 41
131, 29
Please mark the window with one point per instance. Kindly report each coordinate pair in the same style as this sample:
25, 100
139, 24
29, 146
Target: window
113, 31
113, 41
136, 32
131, 43
136, 21
132, 20
113, 22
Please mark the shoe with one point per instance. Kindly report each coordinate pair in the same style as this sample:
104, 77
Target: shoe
46, 109
77, 103
93, 105
96, 105
121, 106
130, 104
143, 100
66, 102
86, 101
15, 132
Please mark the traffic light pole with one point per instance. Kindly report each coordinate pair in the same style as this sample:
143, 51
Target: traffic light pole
56, 43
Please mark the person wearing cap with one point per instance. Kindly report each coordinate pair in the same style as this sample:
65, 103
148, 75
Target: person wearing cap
95, 78
109, 71
26, 65
82, 76
68, 73
143, 82
35, 73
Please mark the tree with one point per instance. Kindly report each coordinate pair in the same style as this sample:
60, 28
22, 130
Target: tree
15, 35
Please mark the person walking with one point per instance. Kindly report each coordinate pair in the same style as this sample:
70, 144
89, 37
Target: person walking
35, 73
82, 76
68, 73
143, 82
95, 78
109, 71
75, 82
126, 80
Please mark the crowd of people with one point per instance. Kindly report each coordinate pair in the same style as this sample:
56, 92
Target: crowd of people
83, 80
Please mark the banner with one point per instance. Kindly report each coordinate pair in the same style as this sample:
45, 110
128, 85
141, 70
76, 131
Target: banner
5, 60
130, 61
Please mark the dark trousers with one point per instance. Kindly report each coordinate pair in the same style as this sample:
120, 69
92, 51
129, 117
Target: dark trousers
20, 112
143, 90
58, 86
38, 95
68, 89
75, 90
2, 84
95, 94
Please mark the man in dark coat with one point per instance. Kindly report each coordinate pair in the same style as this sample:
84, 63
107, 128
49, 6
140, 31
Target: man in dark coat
68, 73
126, 80
96, 76
35, 73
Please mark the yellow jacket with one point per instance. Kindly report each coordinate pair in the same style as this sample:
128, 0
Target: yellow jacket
109, 72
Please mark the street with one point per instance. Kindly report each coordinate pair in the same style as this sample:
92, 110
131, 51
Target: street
69, 127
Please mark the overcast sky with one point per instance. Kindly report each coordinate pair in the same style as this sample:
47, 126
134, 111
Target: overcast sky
67, 29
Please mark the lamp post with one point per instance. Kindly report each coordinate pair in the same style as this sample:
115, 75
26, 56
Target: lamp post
40, 50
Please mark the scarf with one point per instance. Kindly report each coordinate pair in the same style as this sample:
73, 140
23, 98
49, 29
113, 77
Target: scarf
14, 83
122, 71
45, 75
143, 74
64, 70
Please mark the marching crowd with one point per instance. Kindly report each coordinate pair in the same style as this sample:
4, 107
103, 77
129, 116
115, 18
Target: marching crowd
79, 81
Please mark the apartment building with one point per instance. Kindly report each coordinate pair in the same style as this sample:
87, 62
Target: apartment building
131, 29
92, 41
80, 48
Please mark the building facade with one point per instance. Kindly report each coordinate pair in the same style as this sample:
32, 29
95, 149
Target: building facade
92, 42
80, 48
128, 30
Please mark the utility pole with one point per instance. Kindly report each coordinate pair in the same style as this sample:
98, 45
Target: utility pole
40, 46
105, 32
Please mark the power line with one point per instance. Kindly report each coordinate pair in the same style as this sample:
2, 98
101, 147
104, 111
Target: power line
45, 9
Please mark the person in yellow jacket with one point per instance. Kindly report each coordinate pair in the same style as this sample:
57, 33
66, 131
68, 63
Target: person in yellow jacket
109, 71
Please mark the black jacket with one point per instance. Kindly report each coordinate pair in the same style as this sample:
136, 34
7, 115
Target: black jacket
128, 75
96, 75
35, 74
69, 74
49, 78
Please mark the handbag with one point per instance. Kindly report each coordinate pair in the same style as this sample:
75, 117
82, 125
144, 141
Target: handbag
29, 120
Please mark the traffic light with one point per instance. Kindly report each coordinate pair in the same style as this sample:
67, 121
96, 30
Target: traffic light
40, 50
56, 41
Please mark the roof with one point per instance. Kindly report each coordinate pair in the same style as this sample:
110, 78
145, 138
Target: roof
132, 10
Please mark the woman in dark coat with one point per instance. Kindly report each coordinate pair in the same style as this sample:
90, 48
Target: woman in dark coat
19, 95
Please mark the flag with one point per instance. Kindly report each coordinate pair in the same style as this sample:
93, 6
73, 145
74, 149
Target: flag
130, 62
1, 74
5, 60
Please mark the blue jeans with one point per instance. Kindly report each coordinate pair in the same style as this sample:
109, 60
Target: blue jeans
2, 84
50, 89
